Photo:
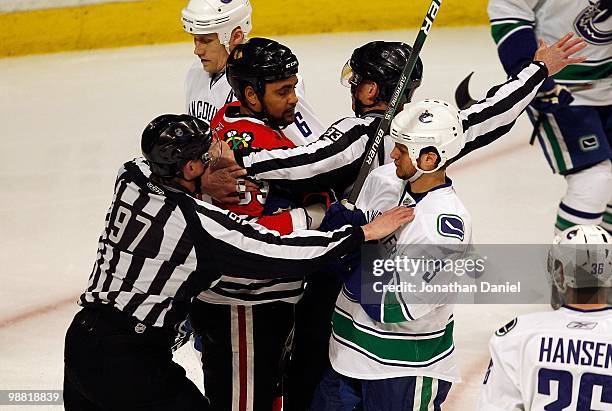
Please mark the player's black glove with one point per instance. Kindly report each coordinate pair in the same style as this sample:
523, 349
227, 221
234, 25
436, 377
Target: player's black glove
276, 204
551, 97
338, 216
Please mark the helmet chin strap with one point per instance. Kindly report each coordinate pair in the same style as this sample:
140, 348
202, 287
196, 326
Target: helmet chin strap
197, 180
417, 174
359, 105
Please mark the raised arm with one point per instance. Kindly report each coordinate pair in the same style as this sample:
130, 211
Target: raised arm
491, 118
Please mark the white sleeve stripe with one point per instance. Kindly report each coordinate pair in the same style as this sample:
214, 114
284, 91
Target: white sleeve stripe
505, 106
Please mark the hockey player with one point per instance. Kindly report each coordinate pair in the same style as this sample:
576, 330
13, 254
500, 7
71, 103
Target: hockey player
572, 111
397, 353
244, 323
159, 248
336, 157
390, 355
217, 27
560, 359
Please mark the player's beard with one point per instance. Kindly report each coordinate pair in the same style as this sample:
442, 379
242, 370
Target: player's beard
289, 116
286, 118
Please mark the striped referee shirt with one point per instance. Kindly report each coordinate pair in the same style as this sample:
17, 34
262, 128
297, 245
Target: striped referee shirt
160, 247
334, 159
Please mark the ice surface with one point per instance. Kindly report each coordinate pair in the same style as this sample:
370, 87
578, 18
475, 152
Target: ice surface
70, 120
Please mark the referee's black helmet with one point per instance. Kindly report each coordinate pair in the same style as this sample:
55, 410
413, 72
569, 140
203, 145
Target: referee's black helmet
170, 140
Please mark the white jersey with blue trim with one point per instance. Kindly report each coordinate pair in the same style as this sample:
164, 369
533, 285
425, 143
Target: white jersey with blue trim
590, 81
205, 95
416, 339
559, 360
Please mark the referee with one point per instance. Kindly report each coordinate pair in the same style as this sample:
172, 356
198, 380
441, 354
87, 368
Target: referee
160, 247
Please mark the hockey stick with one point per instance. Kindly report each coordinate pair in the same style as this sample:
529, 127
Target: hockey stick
462, 93
385, 123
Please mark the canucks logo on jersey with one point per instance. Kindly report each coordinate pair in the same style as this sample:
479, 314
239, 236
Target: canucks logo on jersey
589, 23
450, 225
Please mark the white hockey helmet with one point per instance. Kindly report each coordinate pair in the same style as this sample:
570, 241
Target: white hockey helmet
217, 16
429, 123
581, 257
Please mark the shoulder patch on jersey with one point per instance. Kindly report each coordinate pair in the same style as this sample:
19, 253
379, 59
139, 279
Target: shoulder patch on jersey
451, 225
506, 328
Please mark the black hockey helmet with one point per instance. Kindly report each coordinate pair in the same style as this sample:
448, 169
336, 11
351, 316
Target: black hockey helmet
257, 62
382, 62
170, 140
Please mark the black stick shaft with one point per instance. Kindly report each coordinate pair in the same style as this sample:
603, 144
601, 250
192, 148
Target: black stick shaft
383, 127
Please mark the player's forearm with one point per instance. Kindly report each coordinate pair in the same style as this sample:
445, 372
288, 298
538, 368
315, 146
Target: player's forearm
512, 29
517, 48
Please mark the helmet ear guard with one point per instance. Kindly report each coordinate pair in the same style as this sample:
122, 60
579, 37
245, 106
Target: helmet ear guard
429, 125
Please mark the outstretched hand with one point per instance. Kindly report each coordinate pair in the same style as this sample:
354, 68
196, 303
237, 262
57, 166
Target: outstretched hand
559, 55
387, 223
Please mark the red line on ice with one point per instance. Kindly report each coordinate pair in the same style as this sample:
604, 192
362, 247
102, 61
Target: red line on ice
36, 312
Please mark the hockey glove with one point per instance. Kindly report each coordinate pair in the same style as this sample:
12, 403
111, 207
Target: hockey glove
338, 216
551, 97
276, 204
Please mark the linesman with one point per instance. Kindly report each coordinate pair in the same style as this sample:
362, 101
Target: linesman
160, 247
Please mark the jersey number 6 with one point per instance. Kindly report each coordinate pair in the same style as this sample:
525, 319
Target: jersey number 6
302, 125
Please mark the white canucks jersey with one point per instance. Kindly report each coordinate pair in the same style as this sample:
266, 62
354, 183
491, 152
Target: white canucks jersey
556, 360
405, 339
205, 95
551, 20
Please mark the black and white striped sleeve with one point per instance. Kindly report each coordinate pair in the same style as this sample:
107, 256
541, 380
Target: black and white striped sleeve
248, 250
491, 118
335, 157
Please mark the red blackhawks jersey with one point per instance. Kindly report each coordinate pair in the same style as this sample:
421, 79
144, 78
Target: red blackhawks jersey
244, 133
